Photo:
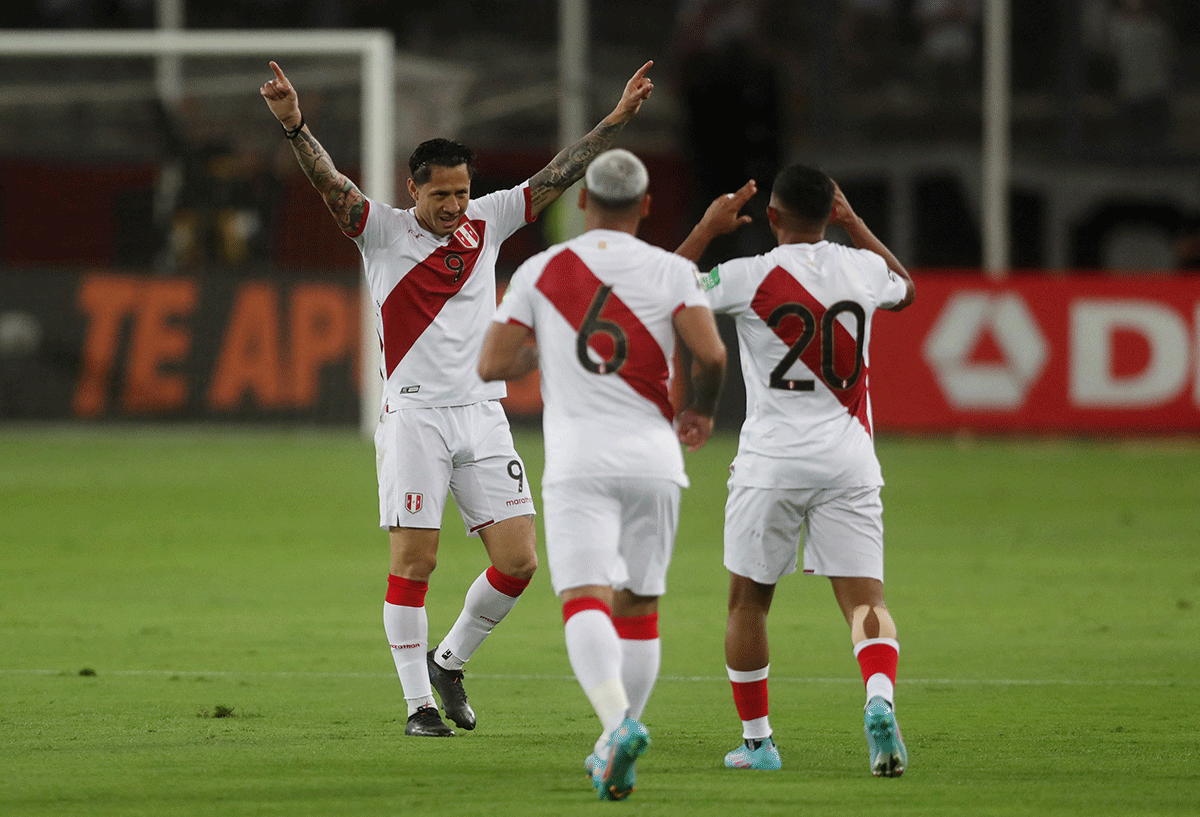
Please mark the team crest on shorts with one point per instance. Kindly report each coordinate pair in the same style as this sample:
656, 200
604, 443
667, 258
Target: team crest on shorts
467, 236
412, 502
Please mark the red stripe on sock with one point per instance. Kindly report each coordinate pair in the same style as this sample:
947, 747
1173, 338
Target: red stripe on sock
406, 592
582, 603
508, 585
637, 628
750, 699
878, 658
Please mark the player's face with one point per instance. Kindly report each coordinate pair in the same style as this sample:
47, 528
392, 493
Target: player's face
442, 200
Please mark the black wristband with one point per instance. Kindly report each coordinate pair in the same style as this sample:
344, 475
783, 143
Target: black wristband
291, 133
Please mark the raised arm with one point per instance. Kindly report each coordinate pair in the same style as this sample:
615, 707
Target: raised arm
843, 215
571, 163
343, 198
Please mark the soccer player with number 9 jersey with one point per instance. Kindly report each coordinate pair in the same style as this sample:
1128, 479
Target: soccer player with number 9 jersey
806, 463
431, 275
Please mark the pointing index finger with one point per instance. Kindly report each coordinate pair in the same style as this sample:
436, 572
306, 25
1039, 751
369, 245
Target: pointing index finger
278, 71
641, 72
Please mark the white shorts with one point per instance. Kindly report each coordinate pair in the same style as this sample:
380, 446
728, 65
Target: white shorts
610, 531
420, 453
842, 528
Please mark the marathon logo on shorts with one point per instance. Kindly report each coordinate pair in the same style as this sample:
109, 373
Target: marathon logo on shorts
412, 502
467, 236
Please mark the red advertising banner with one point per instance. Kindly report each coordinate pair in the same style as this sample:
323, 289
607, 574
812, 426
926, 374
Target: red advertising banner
1040, 354
111, 346
1032, 354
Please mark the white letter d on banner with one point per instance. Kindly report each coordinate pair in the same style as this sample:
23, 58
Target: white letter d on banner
1094, 383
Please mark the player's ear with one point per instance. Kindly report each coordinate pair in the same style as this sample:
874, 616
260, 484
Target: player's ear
773, 216
583, 198
412, 189
644, 208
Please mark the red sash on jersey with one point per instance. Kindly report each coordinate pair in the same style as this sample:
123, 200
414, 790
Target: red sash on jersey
571, 286
414, 303
779, 287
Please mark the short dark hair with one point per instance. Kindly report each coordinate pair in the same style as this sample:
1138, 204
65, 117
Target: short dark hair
439, 152
804, 191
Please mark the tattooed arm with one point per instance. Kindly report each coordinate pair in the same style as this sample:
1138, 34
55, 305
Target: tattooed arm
570, 164
343, 198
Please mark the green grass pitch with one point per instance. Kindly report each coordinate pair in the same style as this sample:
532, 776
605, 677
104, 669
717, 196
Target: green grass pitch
190, 624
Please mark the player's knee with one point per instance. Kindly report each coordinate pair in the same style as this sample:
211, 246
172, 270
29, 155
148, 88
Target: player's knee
748, 595
413, 552
871, 621
627, 604
512, 546
523, 567
520, 563
414, 566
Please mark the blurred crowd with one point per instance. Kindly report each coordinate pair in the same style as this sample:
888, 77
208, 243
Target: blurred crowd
910, 64
750, 82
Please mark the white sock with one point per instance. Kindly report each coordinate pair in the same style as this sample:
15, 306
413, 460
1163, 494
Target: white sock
879, 685
407, 630
595, 654
483, 608
610, 702
640, 662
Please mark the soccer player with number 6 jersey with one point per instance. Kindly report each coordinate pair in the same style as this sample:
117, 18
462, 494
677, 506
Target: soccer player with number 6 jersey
604, 309
431, 274
806, 461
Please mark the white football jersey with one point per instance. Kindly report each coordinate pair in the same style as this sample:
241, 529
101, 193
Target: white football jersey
434, 296
803, 314
602, 308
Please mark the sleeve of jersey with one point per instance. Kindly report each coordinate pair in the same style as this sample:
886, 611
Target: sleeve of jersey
368, 228
506, 210
889, 288
690, 286
516, 306
723, 289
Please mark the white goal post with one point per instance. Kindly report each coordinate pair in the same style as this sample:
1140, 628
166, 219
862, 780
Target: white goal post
376, 51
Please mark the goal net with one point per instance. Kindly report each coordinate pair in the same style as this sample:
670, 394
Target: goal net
161, 255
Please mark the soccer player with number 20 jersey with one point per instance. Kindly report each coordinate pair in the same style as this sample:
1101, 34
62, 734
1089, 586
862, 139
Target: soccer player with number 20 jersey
431, 274
806, 461
604, 309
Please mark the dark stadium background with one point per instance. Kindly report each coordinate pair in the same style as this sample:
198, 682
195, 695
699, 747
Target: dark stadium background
1103, 187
